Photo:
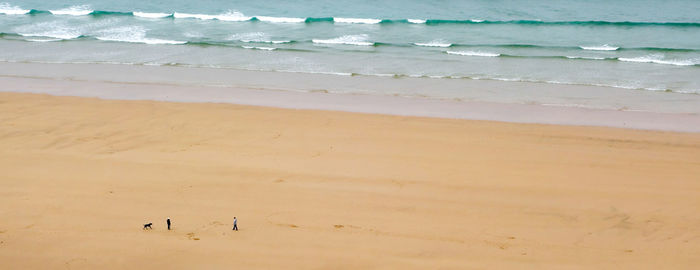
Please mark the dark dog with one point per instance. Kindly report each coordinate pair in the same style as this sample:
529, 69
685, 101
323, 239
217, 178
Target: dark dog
148, 226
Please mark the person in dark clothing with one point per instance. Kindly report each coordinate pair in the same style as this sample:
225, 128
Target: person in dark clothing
168, 221
235, 224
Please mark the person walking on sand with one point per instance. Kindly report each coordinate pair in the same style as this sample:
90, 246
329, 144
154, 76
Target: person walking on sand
235, 224
168, 221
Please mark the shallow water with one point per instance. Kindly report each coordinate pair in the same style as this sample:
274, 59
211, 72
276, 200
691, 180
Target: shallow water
650, 45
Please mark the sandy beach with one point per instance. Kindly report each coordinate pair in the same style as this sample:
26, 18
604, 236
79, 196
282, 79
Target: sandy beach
349, 135
316, 189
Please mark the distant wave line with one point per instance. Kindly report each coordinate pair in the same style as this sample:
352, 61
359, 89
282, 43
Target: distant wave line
151, 41
273, 19
395, 76
366, 42
640, 59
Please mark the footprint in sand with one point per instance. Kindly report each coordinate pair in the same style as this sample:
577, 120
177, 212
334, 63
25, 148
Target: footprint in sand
79, 262
340, 226
287, 225
500, 245
213, 224
191, 236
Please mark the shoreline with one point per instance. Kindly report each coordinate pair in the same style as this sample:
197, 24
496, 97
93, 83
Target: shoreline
518, 92
484, 100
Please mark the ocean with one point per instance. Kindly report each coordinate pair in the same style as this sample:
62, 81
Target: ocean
633, 44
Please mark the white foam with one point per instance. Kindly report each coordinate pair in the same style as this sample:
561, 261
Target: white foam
280, 19
569, 105
251, 36
658, 59
73, 11
605, 47
677, 62
133, 34
256, 37
259, 48
477, 21
359, 40
474, 53
507, 79
151, 41
434, 43
50, 29
232, 16
5, 8
635, 86
315, 72
54, 34
584, 57
266, 41
160, 41
416, 21
151, 15
333, 73
43, 40
193, 34
357, 20
643, 59
179, 15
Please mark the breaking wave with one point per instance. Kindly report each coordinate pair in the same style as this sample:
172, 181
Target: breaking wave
474, 53
359, 40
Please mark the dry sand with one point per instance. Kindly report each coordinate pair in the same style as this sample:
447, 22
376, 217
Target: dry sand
334, 190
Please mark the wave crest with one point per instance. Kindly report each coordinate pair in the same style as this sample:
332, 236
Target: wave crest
658, 59
6, 8
280, 19
231, 16
359, 40
259, 48
356, 20
604, 47
152, 15
474, 53
434, 43
79, 10
73, 11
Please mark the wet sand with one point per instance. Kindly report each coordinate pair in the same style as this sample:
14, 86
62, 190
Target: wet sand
519, 102
318, 189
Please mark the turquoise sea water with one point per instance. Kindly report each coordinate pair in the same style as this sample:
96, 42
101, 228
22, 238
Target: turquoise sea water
647, 45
